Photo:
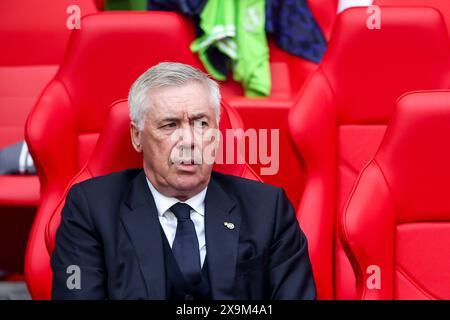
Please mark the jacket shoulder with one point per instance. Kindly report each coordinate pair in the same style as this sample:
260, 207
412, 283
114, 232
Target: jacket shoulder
110, 184
245, 186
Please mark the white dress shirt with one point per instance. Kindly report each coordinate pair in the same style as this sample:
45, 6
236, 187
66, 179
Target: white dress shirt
169, 221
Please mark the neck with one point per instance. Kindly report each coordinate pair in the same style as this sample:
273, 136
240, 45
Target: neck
181, 195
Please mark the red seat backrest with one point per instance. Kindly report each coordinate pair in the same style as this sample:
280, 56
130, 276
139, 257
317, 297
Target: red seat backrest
113, 152
341, 115
33, 37
35, 32
442, 5
396, 226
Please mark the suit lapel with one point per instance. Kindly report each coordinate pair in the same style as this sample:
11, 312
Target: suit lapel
221, 241
140, 219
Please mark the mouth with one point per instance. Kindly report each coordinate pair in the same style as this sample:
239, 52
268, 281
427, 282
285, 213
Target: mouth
186, 165
187, 162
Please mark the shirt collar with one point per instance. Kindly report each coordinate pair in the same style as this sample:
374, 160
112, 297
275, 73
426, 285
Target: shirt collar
163, 203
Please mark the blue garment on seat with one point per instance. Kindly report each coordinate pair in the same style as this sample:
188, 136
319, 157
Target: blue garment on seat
186, 7
295, 28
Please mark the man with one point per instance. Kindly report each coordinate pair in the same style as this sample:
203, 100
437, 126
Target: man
177, 230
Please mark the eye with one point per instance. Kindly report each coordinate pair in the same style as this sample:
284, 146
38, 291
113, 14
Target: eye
201, 123
169, 125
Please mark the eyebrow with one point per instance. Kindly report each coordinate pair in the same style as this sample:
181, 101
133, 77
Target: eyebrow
193, 117
198, 116
169, 119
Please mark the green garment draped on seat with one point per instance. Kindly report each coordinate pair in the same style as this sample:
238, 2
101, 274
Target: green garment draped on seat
237, 29
126, 5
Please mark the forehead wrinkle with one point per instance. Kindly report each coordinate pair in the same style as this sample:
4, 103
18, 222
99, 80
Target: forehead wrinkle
176, 102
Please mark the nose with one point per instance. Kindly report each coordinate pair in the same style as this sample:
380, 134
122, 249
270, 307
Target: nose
187, 137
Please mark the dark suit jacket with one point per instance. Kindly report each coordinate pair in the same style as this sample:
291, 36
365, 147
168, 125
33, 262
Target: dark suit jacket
111, 231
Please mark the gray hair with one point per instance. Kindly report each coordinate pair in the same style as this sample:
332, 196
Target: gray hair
167, 74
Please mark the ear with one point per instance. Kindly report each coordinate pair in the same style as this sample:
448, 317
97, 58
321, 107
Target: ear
135, 137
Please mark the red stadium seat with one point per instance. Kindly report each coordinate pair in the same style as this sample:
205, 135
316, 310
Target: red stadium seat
396, 225
103, 58
113, 152
341, 116
442, 5
33, 37
288, 73
28, 61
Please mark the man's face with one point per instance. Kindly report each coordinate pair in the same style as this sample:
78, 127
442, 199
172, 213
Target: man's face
175, 137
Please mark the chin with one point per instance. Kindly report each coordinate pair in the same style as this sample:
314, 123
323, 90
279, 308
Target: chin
187, 183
